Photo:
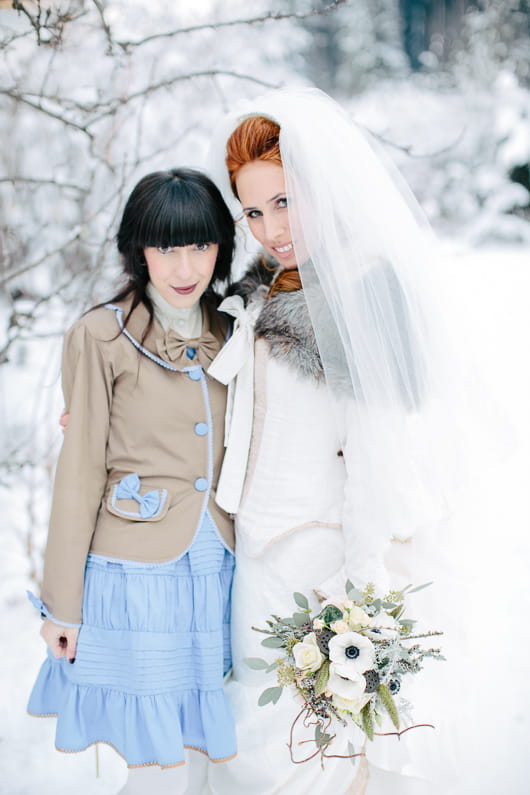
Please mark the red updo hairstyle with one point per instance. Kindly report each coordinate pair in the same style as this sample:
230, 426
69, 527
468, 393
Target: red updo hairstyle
256, 138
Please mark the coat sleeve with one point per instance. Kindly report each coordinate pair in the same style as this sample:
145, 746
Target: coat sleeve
365, 535
81, 472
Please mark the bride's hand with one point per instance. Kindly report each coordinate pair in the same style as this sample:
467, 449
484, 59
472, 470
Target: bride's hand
319, 595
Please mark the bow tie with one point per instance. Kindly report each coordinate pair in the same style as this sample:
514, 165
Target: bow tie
183, 353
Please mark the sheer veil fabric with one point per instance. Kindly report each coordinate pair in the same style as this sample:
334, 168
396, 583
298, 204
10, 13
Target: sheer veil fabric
421, 428
381, 309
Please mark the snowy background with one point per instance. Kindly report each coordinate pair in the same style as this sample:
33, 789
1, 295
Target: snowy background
95, 94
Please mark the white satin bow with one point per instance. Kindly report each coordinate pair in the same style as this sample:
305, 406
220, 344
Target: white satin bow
234, 365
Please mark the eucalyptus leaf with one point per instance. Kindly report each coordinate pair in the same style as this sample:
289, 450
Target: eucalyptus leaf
300, 619
256, 663
301, 600
353, 593
421, 587
272, 642
321, 738
272, 666
270, 696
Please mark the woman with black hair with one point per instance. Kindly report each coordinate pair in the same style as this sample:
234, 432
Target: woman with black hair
139, 562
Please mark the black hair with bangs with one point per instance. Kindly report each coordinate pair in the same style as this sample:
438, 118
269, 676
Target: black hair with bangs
177, 207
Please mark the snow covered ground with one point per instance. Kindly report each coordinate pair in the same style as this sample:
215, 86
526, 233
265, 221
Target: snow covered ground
495, 544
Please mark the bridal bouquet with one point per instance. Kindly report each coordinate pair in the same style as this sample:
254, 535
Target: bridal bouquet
346, 663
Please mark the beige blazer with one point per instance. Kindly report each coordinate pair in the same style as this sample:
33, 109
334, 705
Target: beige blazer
143, 448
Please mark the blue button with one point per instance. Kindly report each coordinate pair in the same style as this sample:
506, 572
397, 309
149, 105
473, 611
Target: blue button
201, 484
195, 374
201, 429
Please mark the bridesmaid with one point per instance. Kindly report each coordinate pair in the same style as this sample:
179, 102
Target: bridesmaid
139, 558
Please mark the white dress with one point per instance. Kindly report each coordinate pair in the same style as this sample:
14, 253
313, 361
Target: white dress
289, 539
294, 533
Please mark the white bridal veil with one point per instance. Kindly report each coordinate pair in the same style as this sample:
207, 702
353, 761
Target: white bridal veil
381, 310
420, 426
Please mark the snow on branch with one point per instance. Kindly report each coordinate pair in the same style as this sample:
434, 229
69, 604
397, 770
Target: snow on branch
48, 24
271, 16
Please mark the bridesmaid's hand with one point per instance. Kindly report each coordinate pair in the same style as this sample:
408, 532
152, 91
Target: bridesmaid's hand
62, 641
63, 420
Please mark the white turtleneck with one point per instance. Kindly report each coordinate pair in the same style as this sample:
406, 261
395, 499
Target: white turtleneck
186, 322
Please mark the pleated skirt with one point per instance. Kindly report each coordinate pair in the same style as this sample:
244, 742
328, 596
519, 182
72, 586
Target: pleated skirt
151, 656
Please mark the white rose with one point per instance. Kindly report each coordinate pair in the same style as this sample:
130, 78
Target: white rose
318, 624
307, 655
339, 626
357, 618
352, 651
346, 684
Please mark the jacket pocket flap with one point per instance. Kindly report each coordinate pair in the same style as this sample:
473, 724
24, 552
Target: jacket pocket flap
127, 501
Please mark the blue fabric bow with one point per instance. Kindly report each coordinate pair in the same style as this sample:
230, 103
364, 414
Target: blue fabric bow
129, 489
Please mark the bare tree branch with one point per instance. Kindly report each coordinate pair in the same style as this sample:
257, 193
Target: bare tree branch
150, 89
18, 97
112, 106
33, 21
409, 150
53, 25
32, 265
105, 26
36, 181
271, 16
4, 43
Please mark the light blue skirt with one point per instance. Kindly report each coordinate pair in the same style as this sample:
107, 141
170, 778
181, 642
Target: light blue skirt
151, 655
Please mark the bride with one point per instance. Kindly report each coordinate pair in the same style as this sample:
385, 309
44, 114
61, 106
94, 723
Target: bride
346, 421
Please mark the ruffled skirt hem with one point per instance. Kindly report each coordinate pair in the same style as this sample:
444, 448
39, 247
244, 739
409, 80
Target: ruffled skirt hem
148, 674
131, 767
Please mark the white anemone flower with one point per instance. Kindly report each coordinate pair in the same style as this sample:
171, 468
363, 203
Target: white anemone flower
346, 684
353, 652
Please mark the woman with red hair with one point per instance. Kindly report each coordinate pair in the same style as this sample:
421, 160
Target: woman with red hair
342, 439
